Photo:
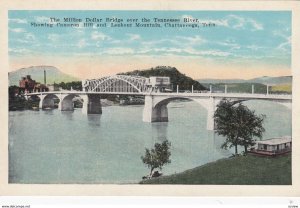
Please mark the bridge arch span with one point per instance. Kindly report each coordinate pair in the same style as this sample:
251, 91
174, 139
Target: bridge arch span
66, 102
47, 100
155, 109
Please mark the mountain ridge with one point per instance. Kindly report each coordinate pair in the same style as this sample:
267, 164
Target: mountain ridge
261, 80
53, 74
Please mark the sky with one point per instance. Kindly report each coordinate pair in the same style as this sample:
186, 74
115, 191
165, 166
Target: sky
242, 44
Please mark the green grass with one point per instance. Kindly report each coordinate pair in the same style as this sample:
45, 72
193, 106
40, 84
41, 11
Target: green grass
241, 170
282, 88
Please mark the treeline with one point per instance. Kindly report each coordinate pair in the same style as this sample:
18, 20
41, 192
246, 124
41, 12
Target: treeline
176, 78
75, 85
245, 88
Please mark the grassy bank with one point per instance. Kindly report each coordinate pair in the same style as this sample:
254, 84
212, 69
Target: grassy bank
242, 170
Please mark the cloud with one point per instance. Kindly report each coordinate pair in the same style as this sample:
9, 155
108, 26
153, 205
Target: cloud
286, 44
29, 36
53, 37
17, 30
119, 51
254, 47
41, 19
19, 50
82, 43
197, 39
133, 37
237, 22
192, 51
100, 36
18, 21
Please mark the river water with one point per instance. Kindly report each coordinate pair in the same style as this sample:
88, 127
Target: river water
69, 147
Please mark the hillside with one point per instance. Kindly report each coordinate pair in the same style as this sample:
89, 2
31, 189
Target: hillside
37, 74
176, 78
238, 87
261, 80
242, 170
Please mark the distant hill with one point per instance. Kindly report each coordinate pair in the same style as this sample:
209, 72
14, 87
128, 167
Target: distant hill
238, 87
273, 80
262, 80
176, 78
37, 74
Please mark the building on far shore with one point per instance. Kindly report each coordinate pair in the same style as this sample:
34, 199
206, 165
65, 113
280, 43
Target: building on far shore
28, 85
273, 147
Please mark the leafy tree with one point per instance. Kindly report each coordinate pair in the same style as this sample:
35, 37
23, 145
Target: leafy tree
157, 157
238, 124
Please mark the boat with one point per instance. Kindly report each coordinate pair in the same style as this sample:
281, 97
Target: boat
273, 146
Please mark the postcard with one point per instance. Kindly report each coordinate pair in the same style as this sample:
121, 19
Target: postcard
150, 98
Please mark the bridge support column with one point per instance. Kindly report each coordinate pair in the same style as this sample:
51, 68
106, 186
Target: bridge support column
210, 125
210, 105
46, 102
153, 113
91, 104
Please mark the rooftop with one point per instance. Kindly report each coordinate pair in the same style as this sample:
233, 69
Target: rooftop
276, 141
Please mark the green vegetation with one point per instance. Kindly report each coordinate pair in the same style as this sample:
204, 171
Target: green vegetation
238, 124
242, 170
283, 88
238, 87
247, 88
176, 78
157, 157
75, 85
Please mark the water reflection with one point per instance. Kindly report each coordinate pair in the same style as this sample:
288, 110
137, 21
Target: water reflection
48, 111
94, 119
68, 114
160, 131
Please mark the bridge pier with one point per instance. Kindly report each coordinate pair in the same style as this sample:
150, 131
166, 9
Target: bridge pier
46, 101
66, 103
91, 104
154, 113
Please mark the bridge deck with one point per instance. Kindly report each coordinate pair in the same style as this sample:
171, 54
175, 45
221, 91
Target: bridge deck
186, 95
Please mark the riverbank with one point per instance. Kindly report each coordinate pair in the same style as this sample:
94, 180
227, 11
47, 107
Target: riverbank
241, 170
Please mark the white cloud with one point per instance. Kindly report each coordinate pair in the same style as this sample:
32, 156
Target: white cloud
29, 36
192, 51
19, 50
119, 51
41, 19
53, 37
100, 36
17, 30
82, 43
133, 37
285, 46
254, 47
237, 22
18, 21
191, 40
256, 25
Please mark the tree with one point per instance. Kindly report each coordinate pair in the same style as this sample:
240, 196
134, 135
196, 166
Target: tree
238, 124
157, 157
